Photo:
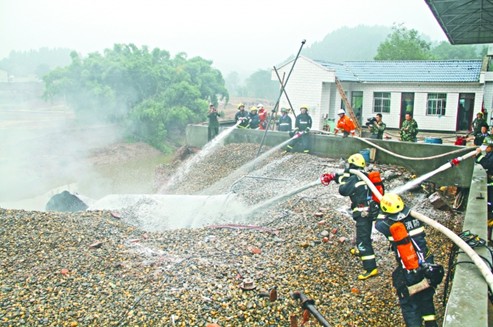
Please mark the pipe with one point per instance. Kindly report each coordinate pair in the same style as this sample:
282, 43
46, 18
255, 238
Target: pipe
309, 304
483, 268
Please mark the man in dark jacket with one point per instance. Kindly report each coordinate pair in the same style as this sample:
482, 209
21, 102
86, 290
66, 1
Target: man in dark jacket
213, 127
284, 124
361, 204
242, 116
302, 125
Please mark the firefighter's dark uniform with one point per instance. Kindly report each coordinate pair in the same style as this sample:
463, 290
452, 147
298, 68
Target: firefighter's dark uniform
419, 307
363, 213
243, 116
284, 124
303, 124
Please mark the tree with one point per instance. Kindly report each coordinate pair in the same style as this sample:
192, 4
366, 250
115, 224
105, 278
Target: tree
152, 95
404, 44
445, 51
260, 85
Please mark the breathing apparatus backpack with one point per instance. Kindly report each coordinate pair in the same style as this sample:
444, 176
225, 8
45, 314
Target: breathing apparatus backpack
376, 179
404, 245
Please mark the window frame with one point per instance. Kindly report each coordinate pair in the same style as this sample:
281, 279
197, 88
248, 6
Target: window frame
384, 99
436, 104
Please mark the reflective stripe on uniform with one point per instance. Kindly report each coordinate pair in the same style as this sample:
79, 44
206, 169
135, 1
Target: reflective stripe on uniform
368, 257
429, 318
360, 183
411, 233
362, 209
341, 177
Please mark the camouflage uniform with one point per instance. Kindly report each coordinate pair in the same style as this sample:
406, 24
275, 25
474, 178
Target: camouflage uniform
409, 130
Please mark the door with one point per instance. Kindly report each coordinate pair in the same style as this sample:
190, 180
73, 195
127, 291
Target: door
407, 106
357, 104
465, 111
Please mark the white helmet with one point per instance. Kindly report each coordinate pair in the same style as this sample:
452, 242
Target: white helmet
341, 111
260, 105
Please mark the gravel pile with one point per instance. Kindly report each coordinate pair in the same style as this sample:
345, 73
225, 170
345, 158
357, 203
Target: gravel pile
100, 268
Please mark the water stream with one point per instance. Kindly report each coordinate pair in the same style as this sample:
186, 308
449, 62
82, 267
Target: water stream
207, 150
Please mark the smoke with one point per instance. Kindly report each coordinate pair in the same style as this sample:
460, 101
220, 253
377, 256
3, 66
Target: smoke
43, 146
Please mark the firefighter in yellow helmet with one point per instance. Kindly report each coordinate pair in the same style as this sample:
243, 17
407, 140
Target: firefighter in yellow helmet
364, 210
241, 117
416, 275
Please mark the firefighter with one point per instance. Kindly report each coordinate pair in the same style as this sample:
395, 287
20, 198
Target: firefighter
262, 115
344, 124
363, 211
241, 116
416, 276
302, 126
253, 118
284, 124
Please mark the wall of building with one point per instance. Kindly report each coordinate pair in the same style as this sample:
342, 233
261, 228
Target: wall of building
305, 87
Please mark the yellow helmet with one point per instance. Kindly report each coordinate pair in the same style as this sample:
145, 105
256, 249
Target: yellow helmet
391, 203
253, 108
304, 107
357, 159
241, 105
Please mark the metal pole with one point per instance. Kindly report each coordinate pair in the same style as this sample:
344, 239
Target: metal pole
279, 98
309, 305
284, 90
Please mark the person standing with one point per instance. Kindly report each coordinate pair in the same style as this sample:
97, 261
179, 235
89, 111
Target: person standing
416, 275
363, 212
241, 116
409, 129
477, 123
302, 126
344, 124
284, 124
377, 128
262, 115
213, 127
253, 118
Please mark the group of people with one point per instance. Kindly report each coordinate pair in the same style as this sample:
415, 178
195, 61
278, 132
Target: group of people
257, 118
416, 275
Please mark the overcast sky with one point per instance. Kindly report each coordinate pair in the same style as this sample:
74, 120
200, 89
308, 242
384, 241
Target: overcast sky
236, 35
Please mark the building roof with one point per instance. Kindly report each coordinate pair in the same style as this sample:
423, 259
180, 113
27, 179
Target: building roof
464, 22
431, 71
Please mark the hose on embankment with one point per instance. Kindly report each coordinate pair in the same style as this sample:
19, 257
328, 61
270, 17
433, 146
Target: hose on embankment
405, 157
483, 268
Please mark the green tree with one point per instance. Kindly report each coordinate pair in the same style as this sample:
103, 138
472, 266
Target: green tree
152, 95
444, 51
260, 85
404, 44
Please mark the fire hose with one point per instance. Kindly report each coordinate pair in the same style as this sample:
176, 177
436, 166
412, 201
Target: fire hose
483, 268
309, 304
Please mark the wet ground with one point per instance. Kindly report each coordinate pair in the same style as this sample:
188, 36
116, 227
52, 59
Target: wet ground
102, 268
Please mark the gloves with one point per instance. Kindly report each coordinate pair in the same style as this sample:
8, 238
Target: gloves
327, 178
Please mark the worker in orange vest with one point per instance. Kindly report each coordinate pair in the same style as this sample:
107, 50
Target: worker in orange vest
344, 124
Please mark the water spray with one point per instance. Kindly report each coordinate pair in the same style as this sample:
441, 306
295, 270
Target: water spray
483, 268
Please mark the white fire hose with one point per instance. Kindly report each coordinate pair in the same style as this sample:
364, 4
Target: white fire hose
482, 266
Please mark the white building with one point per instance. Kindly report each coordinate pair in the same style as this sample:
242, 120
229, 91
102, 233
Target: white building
442, 95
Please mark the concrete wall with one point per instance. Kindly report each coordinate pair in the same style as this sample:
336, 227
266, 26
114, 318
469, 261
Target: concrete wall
389, 152
468, 301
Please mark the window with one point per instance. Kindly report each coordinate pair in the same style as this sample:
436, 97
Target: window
436, 104
381, 102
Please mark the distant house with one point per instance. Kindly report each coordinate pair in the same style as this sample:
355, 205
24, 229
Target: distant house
442, 95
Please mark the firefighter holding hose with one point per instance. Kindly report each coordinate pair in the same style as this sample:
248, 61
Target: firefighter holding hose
363, 211
416, 276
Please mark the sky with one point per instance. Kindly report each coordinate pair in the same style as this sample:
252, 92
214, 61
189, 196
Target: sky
241, 36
